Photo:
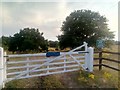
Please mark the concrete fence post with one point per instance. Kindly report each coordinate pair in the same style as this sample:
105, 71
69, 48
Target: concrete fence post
1, 68
90, 59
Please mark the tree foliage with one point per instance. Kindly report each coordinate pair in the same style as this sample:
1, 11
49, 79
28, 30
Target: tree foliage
84, 25
5, 42
53, 44
27, 40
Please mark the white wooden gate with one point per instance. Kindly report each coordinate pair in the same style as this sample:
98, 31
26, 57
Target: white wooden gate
19, 66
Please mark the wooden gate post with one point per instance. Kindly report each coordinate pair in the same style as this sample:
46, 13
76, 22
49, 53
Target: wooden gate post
100, 60
1, 69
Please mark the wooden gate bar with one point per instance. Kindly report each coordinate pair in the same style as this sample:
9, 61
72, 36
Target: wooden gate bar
111, 67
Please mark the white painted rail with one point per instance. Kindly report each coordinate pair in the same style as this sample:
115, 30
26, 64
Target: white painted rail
21, 66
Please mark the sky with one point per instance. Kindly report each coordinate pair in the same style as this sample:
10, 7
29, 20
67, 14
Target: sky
48, 15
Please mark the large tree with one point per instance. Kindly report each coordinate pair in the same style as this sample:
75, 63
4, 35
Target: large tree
26, 40
84, 25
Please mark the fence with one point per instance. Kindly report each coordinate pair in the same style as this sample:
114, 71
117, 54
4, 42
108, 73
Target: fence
101, 58
31, 65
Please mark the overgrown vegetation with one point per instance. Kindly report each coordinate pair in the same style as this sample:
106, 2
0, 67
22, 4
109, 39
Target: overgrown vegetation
97, 79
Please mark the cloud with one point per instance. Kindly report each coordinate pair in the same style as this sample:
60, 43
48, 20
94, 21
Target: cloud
48, 16
37, 15
58, 0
